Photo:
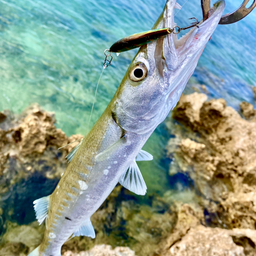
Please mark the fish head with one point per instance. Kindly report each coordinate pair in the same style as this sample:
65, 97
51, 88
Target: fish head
160, 71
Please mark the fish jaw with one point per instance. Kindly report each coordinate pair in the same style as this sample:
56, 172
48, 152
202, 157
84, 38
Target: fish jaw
181, 55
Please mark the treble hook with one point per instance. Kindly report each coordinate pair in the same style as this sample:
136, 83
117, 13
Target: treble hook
108, 58
229, 18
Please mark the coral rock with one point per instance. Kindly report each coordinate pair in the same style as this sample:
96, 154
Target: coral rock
37, 131
221, 161
188, 109
103, 250
2, 117
206, 242
186, 219
247, 110
23, 234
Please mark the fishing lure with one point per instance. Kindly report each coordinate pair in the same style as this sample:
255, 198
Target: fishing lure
139, 39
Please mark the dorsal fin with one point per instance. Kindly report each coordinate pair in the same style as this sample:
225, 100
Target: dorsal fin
70, 156
132, 180
143, 156
41, 206
85, 230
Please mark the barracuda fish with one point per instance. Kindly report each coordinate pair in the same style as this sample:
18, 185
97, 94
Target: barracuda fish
151, 88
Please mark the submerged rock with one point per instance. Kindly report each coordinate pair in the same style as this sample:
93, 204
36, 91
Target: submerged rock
30, 162
26, 235
121, 221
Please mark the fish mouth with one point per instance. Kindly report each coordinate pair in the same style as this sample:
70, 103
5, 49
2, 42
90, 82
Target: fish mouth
213, 17
194, 40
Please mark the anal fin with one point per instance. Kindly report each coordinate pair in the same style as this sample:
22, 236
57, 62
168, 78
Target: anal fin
132, 180
143, 156
85, 230
41, 206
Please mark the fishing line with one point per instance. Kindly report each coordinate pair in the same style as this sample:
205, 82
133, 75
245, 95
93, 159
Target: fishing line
180, 8
96, 94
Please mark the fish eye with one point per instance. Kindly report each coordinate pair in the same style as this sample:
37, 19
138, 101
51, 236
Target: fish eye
139, 72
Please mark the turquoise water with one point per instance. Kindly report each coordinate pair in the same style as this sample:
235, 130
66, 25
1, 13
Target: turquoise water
52, 54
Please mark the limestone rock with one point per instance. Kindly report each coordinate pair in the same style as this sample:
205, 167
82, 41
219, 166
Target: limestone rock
26, 235
37, 131
238, 210
103, 250
2, 117
187, 218
206, 242
254, 91
221, 161
187, 110
247, 110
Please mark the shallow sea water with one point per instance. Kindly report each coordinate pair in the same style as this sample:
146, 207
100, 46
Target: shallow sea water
52, 53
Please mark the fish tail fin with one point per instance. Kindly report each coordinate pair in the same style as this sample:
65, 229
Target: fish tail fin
35, 252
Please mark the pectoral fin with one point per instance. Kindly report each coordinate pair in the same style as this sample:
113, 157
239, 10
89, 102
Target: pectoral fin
110, 150
35, 252
85, 230
70, 156
132, 180
41, 208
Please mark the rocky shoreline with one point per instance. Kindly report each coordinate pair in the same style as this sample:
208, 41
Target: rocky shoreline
213, 149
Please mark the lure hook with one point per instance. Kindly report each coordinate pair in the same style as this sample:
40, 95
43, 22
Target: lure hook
229, 18
194, 24
108, 58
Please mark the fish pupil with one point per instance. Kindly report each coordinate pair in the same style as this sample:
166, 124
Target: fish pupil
138, 73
